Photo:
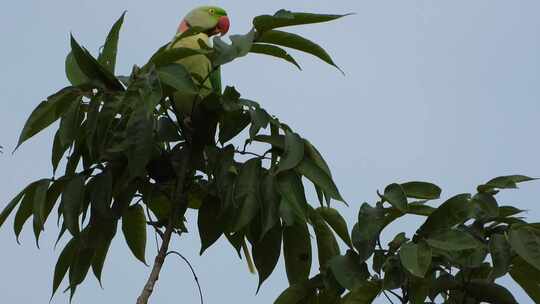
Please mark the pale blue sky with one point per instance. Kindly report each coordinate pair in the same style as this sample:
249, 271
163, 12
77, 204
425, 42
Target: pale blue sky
445, 91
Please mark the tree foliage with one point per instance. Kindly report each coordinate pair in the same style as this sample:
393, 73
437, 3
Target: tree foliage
142, 149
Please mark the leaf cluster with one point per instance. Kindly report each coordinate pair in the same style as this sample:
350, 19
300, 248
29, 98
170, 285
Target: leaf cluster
124, 140
137, 151
456, 255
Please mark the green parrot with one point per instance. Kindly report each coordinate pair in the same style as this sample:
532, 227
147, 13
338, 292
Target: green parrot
213, 21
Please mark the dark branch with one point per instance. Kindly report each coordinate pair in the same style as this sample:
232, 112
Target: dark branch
178, 210
251, 153
192, 271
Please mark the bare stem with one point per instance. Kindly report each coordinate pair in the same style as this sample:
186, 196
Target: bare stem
178, 211
192, 271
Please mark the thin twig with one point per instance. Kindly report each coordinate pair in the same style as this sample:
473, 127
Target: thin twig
175, 123
155, 228
178, 210
192, 271
386, 295
396, 295
251, 153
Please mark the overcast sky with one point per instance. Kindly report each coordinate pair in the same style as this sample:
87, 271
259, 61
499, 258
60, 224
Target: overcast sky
445, 91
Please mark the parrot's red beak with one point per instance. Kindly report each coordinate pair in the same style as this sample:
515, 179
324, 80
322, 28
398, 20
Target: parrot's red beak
223, 25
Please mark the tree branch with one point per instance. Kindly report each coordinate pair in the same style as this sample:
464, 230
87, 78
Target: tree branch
387, 297
178, 211
192, 271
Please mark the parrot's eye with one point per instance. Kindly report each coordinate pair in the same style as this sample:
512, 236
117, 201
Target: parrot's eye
212, 11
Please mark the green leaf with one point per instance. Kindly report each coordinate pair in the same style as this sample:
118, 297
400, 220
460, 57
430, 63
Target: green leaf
277, 141
527, 277
315, 174
92, 69
316, 156
347, 270
454, 240
418, 290
177, 77
395, 244
80, 265
395, 195
501, 255
416, 258
283, 18
40, 207
247, 194
25, 209
418, 209
296, 42
421, 190
259, 120
58, 151
269, 203
102, 248
455, 210
69, 124
72, 200
140, 140
489, 292
364, 293
48, 112
525, 240
274, 51
394, 274
297, 252
167, 130
107, 58
53, 194
468, 258
506, 211
327, 246
73, 72
485, 206
13, 203
209, 223
63, 263
366, 232
134, 229
294, 294
231, 124
236, 240
507, 181
504, 182
241, 45
293, 196
266, 253
444, 282
337, 222
378, 260
293, 153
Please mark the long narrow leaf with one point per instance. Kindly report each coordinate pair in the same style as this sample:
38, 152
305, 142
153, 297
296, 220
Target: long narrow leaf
296, 42
274, 51
284, 18
107, 58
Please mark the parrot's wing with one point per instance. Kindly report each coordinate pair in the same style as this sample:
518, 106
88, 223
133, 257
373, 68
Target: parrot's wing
215, 80
199, 66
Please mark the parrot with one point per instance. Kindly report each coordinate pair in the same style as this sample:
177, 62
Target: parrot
212, 20
208, 21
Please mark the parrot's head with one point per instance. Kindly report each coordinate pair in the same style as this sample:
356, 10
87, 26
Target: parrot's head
212, 19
